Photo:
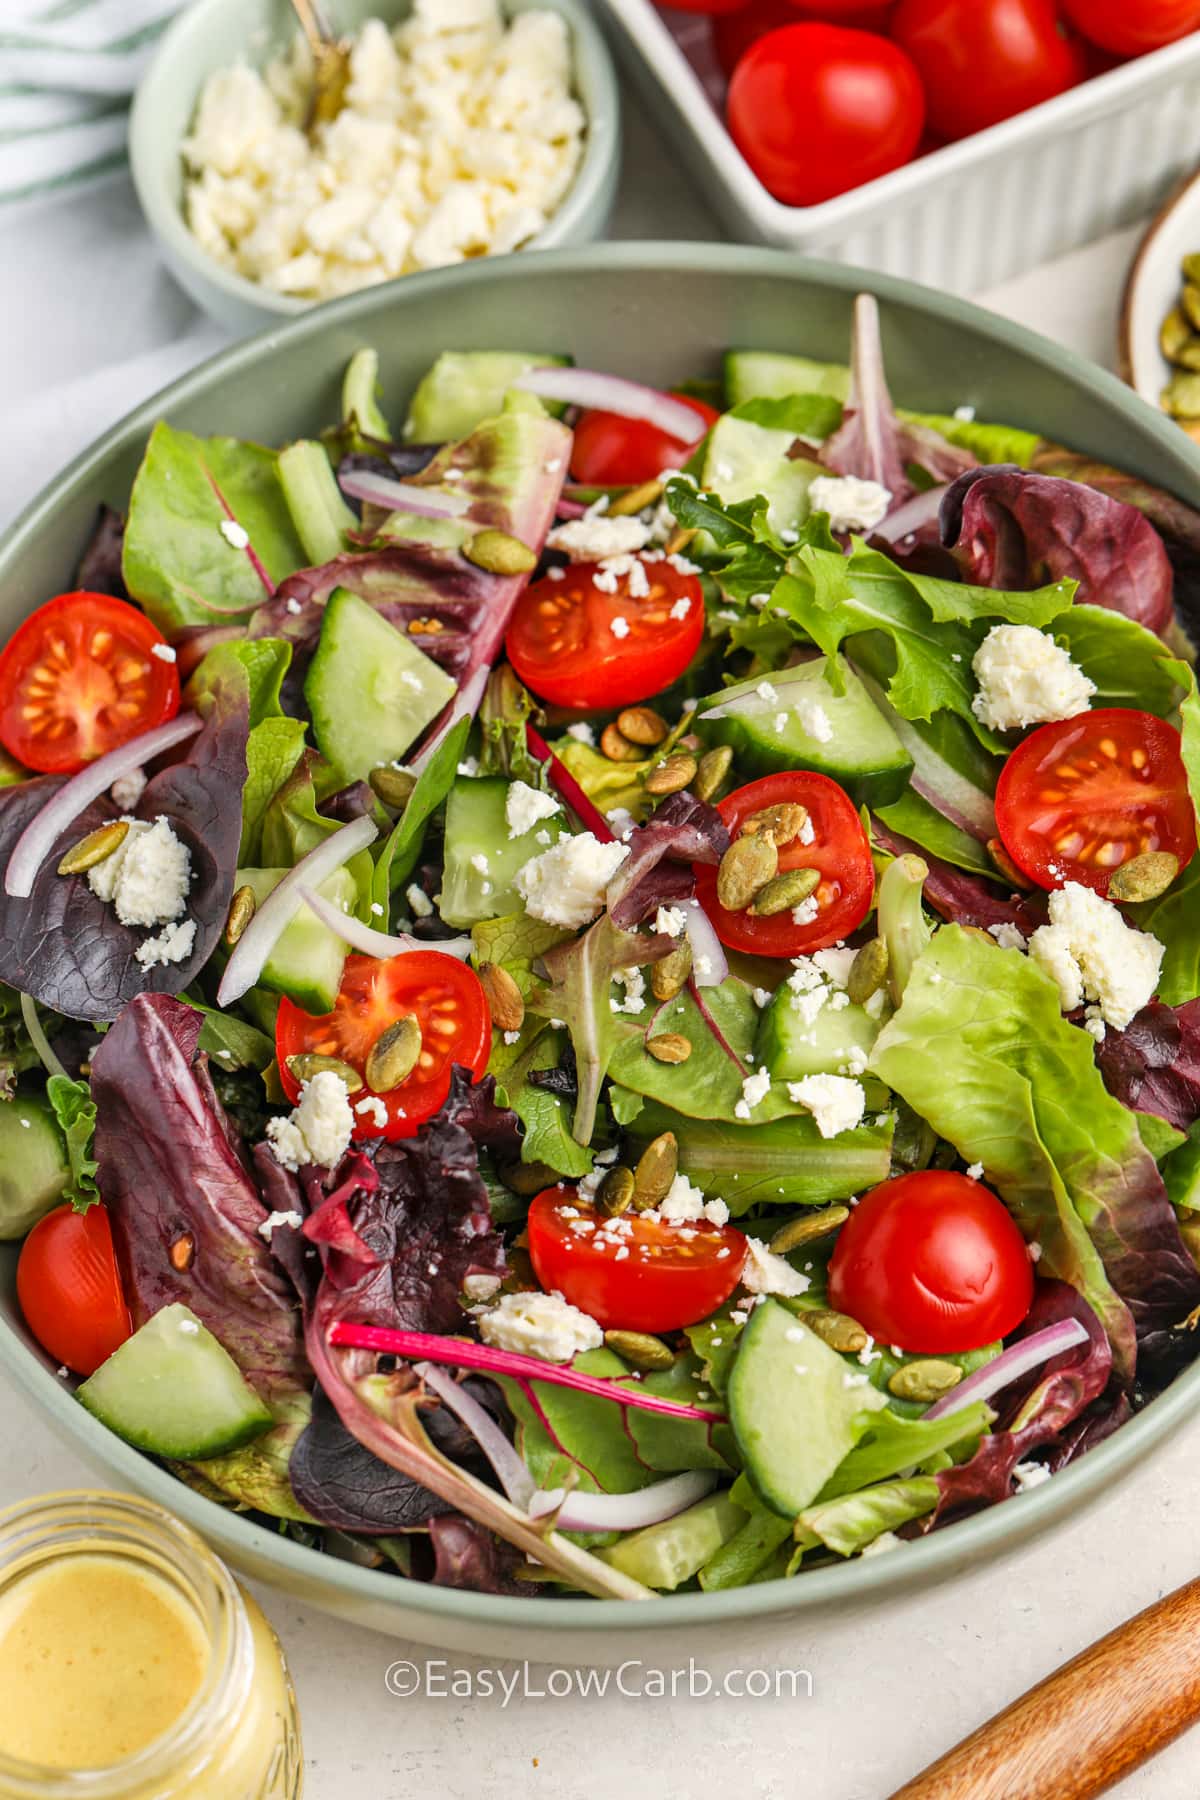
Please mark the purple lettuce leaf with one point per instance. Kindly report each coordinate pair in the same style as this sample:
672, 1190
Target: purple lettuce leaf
658, 870
341, 1483
99, 570
1011, 529
64, 945
1153, 1066
1174, 518
468, 1555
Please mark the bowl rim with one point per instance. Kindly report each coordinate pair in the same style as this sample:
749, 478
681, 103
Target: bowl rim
924, 1561
592, 67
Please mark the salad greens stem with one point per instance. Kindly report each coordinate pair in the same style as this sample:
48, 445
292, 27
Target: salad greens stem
562, 779
902, 922
38, 1038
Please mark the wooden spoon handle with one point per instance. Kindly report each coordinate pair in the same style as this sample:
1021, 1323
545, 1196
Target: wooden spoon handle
1089, 1723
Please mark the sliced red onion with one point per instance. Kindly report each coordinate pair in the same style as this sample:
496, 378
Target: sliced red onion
710, 965
402, 496
622, 1512
511, 1472
568, 789
280, 907
612, 393
47, 826
912, 517
362, 937
465, 705
570, 509
460, 1353
1010, 1365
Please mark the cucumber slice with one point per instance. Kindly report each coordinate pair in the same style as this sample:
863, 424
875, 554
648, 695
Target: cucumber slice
758, 374
464, 387
743, 459
792, 1412
371, 692
482, 861
33, 1164
790, 1047
306, 963
173, 1390
663, 1556
767, 736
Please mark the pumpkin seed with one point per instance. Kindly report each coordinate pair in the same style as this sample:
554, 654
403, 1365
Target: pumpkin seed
617, 747
805, 1228
669, 1047
505, 1000
394, 1055
667, 978
1181, 396
242, 909
1144, 877
500, 553
868, 971
635, 500
924, 1381
679, 540
95, 848
711, 771
1191, 267
1191, 303
657, 1167
640, 1349
642, 725
746, 867
838, 1330
307, 1064
528, 1178
784, 822
1007, 866
790, 889
1174, 333
672, 776
393, 786
614, 1196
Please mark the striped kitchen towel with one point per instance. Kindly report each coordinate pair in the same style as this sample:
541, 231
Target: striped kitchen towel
67, 70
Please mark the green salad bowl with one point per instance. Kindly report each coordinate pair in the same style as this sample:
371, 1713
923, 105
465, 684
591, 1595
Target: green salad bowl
660, 314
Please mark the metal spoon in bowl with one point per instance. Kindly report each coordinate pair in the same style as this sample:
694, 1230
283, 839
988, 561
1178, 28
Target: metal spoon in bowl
331, 66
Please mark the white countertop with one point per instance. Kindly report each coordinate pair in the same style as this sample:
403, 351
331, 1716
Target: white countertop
89, 324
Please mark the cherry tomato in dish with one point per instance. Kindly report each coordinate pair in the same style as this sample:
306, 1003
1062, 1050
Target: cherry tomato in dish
81, 676
1131, 27
932, 1262
636, 1273
733, 33
69, 1288
705, 6
838, 850
611, 450
984, 60
817, 110
576, 643
1079, 797
448, 1002
845, 12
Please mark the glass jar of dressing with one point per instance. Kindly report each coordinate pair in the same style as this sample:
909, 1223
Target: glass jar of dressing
132, 1665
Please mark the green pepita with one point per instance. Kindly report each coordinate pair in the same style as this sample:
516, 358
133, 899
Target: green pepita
640, 1349
242, 909
924, 1381
669, 1047
1181, 396
393, 786
635, 500
95, 848
614, 1196
746, 867
673, 775
805, 1228
667, 978
617, 747
394, 1055
712, 771
528, 1178
656, 1170
784, 822
868, 971
500, 553
1144, 877
838, 1330
792, 888
308, 1064
643, 726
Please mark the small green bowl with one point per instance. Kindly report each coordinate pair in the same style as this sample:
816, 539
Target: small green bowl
212, 34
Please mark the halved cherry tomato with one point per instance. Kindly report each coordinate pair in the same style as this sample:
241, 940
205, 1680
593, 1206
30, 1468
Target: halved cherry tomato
932, 1262
613, 451
81, 676
446, 998
69, 1288
1078, 798
1131, 27
984, 60
636, 1273
577, 644
838, 849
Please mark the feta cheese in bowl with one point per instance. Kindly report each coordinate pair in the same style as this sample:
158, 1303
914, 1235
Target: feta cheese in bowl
470, 128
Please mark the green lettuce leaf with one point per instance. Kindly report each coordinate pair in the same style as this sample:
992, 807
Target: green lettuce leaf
892, 1443
75, 1111
1175, 922
741, 1557
276, 741
1129, 665
402, 848
815, 416
849, 1524
545, 1116
914, 818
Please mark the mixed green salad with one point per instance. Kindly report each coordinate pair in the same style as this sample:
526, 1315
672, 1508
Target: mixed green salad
601, 988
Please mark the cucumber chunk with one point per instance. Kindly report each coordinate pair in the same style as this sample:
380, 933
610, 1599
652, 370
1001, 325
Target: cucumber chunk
792, 1412
464, 387
743, 459
482, 861
173, 1390
792, 1047
33, 1164
768, 735
764, 375
371, 692
662, 1556
306, 963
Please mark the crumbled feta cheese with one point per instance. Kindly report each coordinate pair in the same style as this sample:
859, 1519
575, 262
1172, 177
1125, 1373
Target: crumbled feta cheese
975, 1172
147, 877
684, 1203
525, 807
617, 569
511, 1038
419, 902
127, 790
275, 1219
755, 1089
173, 944
836, 1102
1093, 955
765, 1273
318, 1130
235, 535
762, 997
620, 626
582, 733
965, 413
681, 608
469, 766
806, 912
481, 1288
479, 863
1025, 678
1030, 1475
852, 505
163, 652
565, 884
634, 983
622, 822
373, 1108
595, 538
1009, 937
545, 1325
835, 964
669, 921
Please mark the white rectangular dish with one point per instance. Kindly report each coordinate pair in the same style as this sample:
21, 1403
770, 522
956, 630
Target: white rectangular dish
964, 217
